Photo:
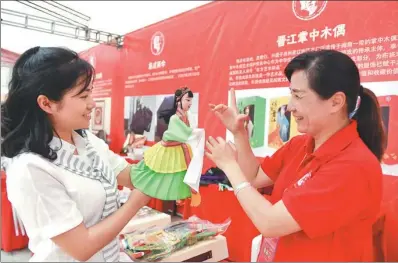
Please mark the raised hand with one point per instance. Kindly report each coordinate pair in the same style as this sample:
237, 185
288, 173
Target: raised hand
230, 116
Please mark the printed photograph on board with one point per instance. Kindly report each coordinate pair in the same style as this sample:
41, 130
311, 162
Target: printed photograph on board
101, 119
256, 104
99, 115
254, 107
140, 114
143, 115
282, 127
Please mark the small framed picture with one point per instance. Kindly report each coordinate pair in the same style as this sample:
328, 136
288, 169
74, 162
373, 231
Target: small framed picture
98, 117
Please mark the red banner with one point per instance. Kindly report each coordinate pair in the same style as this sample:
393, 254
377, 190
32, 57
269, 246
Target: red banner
104, 59
246, 45
108, 92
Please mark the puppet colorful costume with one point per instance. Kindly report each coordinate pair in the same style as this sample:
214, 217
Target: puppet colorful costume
164, 167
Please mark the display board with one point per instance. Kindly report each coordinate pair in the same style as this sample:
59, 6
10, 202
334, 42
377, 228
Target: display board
246, 45
106, 62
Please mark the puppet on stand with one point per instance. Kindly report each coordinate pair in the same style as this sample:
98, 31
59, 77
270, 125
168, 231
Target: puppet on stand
171, 169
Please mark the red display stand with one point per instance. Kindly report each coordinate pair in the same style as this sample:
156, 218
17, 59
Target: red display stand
9, 240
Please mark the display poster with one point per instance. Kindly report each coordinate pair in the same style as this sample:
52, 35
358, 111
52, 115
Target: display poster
250, 54
104, 59
141, 115
106, 62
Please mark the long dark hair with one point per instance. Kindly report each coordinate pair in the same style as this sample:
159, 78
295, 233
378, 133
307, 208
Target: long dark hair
178, 94
49, 71
330, 71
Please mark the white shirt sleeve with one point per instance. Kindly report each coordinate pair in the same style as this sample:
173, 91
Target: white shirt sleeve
40, 200
116, 162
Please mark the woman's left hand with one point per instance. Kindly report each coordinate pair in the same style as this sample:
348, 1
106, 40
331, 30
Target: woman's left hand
222, 153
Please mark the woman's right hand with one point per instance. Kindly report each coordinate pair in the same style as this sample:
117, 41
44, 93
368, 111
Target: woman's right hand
230, 116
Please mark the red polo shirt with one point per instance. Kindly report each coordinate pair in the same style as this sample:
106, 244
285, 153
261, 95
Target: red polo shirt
334, 194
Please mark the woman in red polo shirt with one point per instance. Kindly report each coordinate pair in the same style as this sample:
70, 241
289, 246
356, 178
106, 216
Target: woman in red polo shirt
328, 182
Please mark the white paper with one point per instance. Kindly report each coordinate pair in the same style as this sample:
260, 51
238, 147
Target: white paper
194, 172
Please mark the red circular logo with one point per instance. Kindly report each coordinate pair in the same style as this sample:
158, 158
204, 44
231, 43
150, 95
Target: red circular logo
308, 10
157, 43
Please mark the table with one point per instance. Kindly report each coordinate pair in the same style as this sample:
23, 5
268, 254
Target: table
214, 250
146, 218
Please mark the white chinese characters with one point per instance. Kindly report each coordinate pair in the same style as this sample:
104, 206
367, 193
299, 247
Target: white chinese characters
304, 36
156, 65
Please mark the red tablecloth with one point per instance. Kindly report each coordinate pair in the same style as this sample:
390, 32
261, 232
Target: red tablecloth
9, 241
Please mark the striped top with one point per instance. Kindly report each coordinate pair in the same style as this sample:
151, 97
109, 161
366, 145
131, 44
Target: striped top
53, 197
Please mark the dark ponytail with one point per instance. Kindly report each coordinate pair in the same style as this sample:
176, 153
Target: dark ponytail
330, 71
370, 125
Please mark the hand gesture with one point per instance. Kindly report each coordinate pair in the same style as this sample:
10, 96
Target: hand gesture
230, 116
222, 153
